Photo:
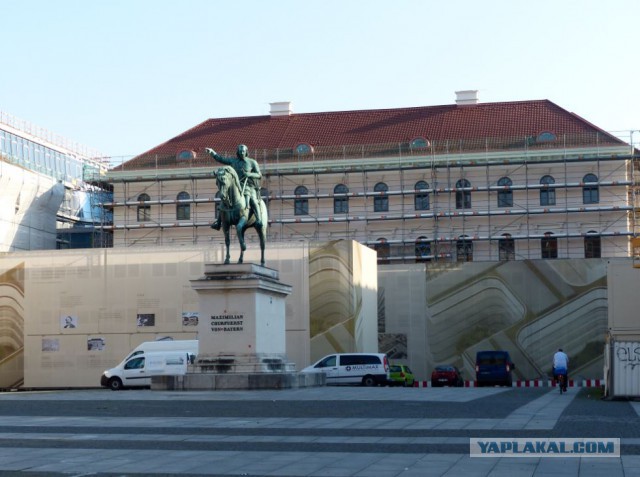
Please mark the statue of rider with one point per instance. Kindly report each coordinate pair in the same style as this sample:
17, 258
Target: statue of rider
249, 174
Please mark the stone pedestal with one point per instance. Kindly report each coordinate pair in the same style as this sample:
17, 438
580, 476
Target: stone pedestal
242, 311
241, 332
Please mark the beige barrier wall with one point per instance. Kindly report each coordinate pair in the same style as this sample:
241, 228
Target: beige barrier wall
83, 310
426, 314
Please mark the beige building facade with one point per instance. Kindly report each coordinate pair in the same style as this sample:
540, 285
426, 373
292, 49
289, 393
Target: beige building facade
573, 203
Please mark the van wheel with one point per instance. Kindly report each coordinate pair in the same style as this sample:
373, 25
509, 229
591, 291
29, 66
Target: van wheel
368, 381
115, 384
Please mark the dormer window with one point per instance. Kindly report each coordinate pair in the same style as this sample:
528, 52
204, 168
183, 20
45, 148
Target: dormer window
304, 148
185, 155
546, 136
419, 143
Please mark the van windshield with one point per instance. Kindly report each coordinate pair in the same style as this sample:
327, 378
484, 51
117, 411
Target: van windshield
329, 361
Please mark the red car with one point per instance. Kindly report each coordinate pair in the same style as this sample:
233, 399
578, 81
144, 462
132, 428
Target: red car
446, 375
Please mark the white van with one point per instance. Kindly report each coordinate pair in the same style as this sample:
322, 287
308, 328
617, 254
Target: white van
189, 346
138, 370
367, 369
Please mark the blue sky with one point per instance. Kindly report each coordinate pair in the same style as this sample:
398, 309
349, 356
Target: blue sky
122, 76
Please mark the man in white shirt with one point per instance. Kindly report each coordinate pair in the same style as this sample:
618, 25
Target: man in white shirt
561, 366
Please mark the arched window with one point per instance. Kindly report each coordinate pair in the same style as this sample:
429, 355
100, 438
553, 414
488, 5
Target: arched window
383, 249
505, 195
590, 193
301, 204
185, 155
419, 143
183, 208
464, 249
547, 194
506, 248
144, 210
304, 148
463, 197
423, 249
546, 136
421, 199
340, 203
549, 246
381, 201
592, 245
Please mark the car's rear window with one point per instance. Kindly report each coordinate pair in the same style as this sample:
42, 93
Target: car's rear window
491, 359
445, 368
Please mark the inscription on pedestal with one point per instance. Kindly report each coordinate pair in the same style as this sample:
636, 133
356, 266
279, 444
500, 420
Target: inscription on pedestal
227, 323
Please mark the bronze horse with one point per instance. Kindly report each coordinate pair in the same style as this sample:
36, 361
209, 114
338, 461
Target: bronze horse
234, 211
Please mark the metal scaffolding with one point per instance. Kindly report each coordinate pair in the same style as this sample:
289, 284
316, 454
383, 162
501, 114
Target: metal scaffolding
390, 221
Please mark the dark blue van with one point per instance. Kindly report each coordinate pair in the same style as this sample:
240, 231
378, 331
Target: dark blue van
494, 367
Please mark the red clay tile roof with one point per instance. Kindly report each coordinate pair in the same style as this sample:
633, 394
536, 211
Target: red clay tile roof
518, 119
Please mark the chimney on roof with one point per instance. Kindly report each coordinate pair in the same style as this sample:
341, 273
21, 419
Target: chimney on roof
281, 108
466, 97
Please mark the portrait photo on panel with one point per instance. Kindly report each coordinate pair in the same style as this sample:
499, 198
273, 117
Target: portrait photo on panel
68, 321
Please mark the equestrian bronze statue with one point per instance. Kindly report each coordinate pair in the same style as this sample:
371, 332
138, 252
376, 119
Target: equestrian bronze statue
240, 202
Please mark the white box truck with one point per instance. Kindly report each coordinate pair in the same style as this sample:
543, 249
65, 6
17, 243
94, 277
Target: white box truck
152, 358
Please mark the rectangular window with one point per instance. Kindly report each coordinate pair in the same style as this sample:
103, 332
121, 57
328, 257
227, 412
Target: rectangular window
144, 213
20, 149
422, 201
340, 205
381, 204
183, 212
505, 199
590, 195
464, 251
549, 247
547, 197
463, 199
506, 249
301, 207
592, 247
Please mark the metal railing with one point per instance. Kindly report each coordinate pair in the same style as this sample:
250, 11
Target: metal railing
444, 153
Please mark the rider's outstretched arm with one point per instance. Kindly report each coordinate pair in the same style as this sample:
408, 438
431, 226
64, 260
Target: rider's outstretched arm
218, 157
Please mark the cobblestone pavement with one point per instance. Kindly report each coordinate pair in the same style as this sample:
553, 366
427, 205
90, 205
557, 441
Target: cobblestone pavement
329, 431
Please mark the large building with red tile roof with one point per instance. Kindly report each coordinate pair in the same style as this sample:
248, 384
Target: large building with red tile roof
458, 182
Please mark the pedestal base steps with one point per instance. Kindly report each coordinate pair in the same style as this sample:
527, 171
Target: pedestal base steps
239, 371
236, 381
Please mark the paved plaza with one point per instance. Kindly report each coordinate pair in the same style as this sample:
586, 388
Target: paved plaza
330, 431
